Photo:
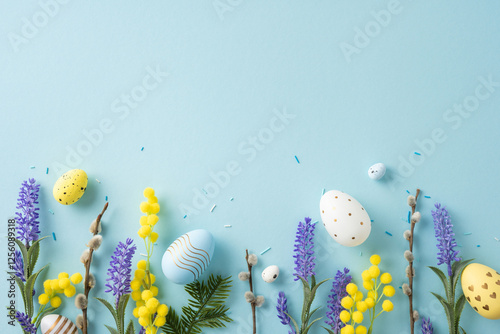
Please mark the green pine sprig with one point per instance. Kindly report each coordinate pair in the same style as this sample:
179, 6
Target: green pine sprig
119, 316
452, 306
205, 309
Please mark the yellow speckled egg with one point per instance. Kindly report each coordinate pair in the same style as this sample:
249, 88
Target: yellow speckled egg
481, 286
69, 188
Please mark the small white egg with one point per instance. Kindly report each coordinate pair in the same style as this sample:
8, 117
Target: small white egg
377, 171
270, 274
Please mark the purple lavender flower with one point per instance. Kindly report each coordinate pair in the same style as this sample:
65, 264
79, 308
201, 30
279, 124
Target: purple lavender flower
283, 312
120, 268
27, 223
19, 266
304, 251
445, 237
338, 292
427, 326
25, 323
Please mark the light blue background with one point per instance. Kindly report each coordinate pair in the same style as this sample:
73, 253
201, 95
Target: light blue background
227, 73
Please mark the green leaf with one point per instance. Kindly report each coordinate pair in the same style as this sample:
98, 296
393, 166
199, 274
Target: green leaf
444, 281
293, 322
173, 323
122, 305
28, 290
111, 330
33, 254
130, 328
448, 310
311, 314
306, 330
328, 330
463, 330
457, 268
21, 286
109, 307
459, 306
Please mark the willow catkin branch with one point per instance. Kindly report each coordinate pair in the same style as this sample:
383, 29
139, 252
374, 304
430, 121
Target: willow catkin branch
87, 270
411, 270
254, 320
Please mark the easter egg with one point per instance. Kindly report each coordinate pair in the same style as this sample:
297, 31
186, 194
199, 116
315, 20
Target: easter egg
69, 188
377, 171
188, 256
344, 218
270, 274
54, 323
481, 287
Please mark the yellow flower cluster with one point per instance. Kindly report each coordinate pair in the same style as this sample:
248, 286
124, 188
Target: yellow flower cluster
355, 305
62, 284
143, 290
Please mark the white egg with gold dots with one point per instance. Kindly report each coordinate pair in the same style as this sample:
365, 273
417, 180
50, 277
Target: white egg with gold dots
344, 218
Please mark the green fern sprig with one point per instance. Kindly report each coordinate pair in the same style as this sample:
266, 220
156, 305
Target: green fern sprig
205, 308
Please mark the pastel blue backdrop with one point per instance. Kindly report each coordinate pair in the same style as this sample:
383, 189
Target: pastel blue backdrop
198, 85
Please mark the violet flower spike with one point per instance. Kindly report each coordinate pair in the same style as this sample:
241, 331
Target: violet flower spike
337, 293
304, 251
19, 266
445, 237
120, 269
427, 326
27, 223
25, 323
282, 308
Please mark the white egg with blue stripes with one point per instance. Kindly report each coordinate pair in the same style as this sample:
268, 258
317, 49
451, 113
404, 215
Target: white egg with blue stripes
188, 256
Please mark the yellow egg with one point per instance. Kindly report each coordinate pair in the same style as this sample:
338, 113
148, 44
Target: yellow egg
69, 188
481, 287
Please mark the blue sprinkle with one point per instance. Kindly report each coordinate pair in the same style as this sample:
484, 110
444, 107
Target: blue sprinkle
142, 149
265, 250
297, 159
185, 216
478, 246
323, 192
54, 236
32, 167
401, 287
317, 221
427, 196
372, 220
231, 199
204, 191
417, 153
360, 253
407, 191
106, 198
47, 172
409, 217
388, 233
467, 233
52, 212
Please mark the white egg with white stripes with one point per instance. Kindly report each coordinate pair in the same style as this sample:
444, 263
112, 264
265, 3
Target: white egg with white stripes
54, 323
188, 256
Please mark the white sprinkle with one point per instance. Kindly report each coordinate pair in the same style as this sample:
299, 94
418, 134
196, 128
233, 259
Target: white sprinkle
497, 239
315, 222
98, 181
227, 226
213, 207
144, 255
52, 212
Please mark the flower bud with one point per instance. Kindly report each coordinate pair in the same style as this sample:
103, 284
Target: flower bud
81, 301
84, 258
408, 271
407, 234
412, 201
416, 316
252, 259
415, 218
94, 228
406, 289
259, 301
249, 297
95, 242
91, 281
244, 276
409, 256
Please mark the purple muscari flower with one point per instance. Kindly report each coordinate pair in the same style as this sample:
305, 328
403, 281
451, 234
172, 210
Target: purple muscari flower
27, 223
19, 266
120, 268
283, 312
427, 326
445, 237
338, 292
25, 323
304, 251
